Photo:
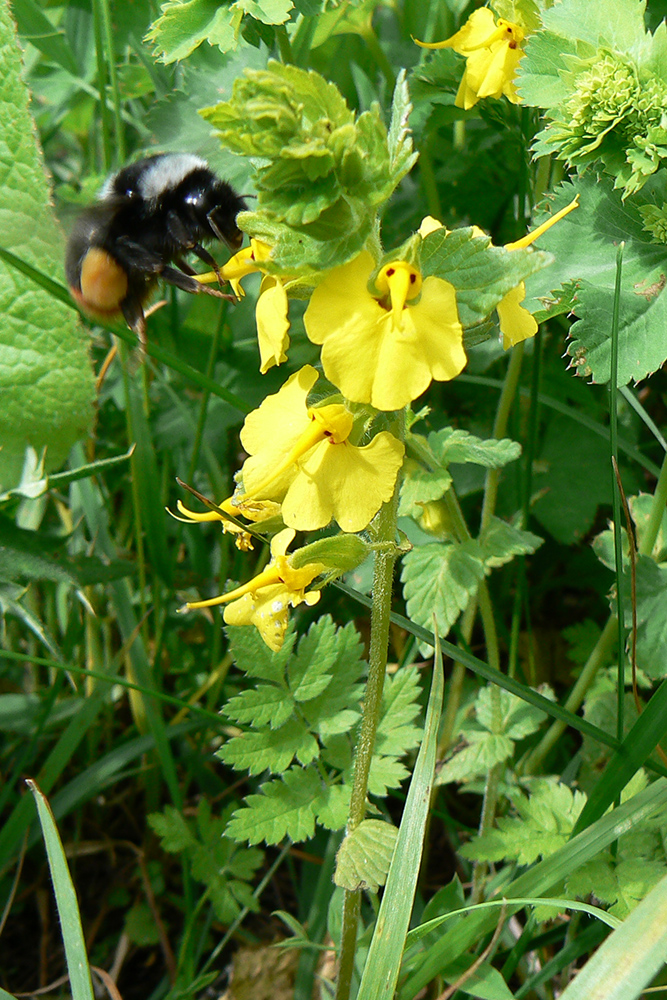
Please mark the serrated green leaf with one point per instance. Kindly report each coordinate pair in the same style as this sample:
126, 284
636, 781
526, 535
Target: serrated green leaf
365, 855
630, 957
440, 579
332, 806
46, 382
284, 808
501, 541
584, 246
321, 173
173, 830
273, 750
475, 759
454, 445
311, 669
619, 884
266, 11
399, 141
385, 773
421, 486
544, 824
396, 733
254, 657
264, 705
185, 24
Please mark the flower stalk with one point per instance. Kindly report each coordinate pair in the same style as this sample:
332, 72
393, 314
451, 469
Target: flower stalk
383, 575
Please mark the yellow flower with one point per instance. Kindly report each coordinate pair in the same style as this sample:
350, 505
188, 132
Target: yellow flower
271, 309
301, 456
265, 600
253, 511
385, 350
492, 54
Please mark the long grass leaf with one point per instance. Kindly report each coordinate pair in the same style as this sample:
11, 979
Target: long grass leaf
384, 956
66, 901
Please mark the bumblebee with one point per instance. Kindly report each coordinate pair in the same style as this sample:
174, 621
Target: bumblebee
147, 217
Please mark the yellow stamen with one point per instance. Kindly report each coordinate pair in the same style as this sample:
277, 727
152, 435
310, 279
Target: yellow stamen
333, 421
529, 238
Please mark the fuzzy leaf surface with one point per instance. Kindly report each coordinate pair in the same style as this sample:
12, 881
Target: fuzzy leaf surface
46, 381
440, 578
365, 855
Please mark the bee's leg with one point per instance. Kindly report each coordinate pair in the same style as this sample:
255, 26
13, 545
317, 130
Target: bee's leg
182, 234
133, 311
183, 266
189, 284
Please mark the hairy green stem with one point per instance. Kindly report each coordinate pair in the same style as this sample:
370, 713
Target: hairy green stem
383, 576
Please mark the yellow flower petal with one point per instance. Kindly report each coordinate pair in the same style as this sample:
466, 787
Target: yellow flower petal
373, 359
272, 323
343, 483
516, 323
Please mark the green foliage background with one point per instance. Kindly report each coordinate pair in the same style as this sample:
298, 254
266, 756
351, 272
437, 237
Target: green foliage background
200, 782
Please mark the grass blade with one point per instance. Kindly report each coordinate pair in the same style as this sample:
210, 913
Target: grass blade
384, 956
66, 901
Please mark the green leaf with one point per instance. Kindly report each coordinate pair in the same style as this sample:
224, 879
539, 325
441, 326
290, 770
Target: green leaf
46, 382
320, 173
574, 479
399, 140
34, 26
284, 808
217, 862
421, 486
185, 24
440, 579
396, 731
332, 806
66, 901
274, 750
584, 246
266, 11
173, 830
620, 884
482, 752
501, 541
537, 881
543, 824
454, 445
365, 855
264, 704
